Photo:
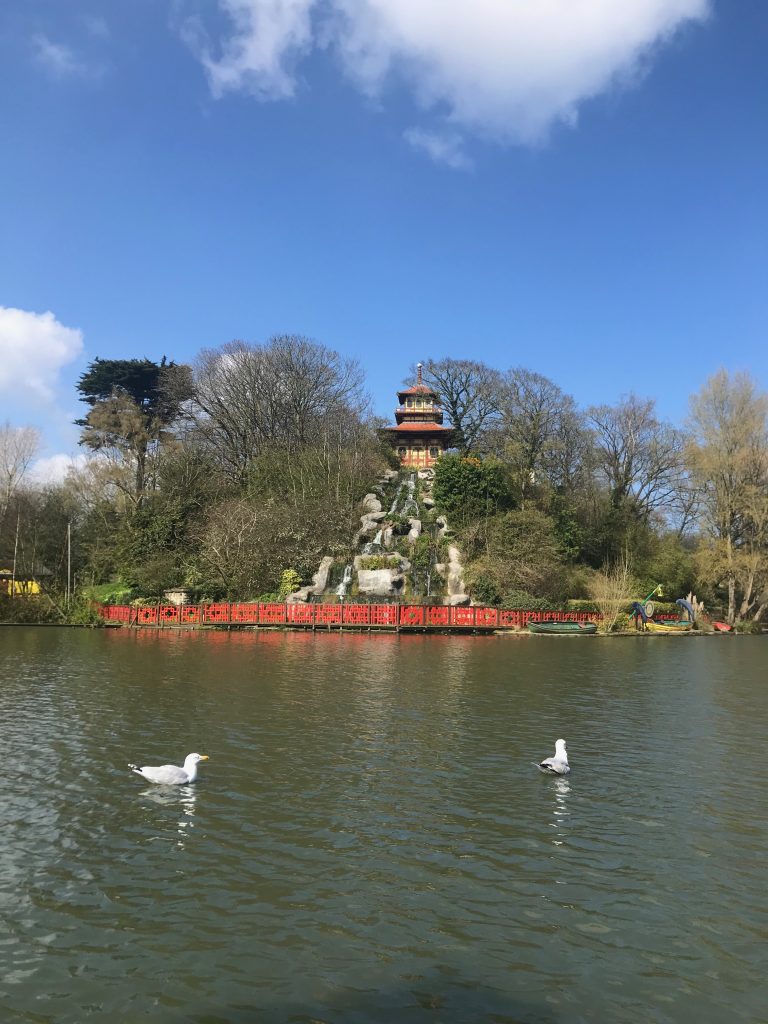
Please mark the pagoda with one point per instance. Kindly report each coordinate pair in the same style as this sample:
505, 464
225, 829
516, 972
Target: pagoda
419, 438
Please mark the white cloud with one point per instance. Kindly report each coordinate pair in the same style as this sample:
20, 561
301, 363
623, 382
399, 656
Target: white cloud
57, 59
268, 36
442, 147
54, 469
60, 61
503, 69
34, 347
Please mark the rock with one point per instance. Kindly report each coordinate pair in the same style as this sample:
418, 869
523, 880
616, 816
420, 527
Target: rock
386, 538
299, 596
380, 582
320, 579
455, 600
427, 502
371, 503
415, 530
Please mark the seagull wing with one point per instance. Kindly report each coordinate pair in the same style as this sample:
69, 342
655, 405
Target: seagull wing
165, 775
551, 766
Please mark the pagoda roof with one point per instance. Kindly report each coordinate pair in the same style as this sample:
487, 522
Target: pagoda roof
421, 428
418, 389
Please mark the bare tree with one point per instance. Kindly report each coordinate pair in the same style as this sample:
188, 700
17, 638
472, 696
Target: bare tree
469, 394
639, 457
286, 394
728, 456
541, 432
611, 588
18, 446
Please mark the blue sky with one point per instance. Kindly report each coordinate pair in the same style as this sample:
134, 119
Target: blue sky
575, 188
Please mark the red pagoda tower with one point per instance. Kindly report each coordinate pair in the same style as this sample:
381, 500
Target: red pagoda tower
419, 437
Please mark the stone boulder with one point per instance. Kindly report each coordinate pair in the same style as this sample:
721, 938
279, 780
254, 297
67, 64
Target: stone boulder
320, 579
415, 530
380, 582
371, 503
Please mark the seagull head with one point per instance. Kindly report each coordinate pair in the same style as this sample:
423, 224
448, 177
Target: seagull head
191, 759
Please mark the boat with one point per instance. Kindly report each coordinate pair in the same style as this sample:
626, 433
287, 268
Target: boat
566, 628
722, 627
668, 627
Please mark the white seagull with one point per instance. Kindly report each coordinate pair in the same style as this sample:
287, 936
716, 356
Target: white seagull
171, 774
557, 765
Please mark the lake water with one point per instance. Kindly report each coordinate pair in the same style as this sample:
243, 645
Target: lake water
369, 841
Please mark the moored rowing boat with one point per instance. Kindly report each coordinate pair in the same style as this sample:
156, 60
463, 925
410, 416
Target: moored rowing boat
563, 628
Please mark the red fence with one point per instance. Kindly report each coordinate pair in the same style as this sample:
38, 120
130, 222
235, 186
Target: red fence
325, 616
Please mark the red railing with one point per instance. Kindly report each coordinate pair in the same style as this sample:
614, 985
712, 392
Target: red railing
278, 613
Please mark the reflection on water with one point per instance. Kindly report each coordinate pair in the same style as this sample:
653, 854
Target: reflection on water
561, 789
370, 842
180, 801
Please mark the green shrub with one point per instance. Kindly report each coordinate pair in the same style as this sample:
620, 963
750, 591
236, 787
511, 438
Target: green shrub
580, 606
369, 562
622, 623
290, 582
520, 600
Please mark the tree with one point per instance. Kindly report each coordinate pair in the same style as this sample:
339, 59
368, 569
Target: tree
133, 403
284, 395
639, 456
538, 427
18, 446
517, 552
728, 457
469, 393
467, 487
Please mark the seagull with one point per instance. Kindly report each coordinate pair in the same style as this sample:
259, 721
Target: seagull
171, 774
557, 765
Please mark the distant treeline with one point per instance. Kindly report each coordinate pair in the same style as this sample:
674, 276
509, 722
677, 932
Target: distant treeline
239, 472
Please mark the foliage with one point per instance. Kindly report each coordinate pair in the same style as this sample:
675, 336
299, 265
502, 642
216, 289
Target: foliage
82, 613
728, 458
32, 610
372, 562
467, 488
290, 581
514, 551
108, 593
580, 606
523, 601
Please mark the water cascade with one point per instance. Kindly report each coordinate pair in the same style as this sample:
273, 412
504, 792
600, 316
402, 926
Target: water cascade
343, 587
375, 545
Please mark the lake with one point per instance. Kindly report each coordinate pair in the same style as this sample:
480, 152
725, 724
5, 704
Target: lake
369, 841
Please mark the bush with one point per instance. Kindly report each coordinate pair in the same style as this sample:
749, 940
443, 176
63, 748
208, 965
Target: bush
622, 623
369, 562
519, 600
290, 582
580, 606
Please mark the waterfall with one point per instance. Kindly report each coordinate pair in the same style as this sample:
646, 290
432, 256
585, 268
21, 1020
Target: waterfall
375, 543
410, 506
341, 590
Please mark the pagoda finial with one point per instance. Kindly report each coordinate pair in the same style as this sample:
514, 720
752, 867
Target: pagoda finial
418, 374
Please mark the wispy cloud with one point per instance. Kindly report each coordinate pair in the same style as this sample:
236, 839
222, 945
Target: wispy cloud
267, 38
502, 70
34, 348
442, 147
61, 61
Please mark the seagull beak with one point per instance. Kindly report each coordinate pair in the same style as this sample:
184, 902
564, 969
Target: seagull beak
204, 757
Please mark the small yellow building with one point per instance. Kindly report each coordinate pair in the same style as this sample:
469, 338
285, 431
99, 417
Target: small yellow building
20, 585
